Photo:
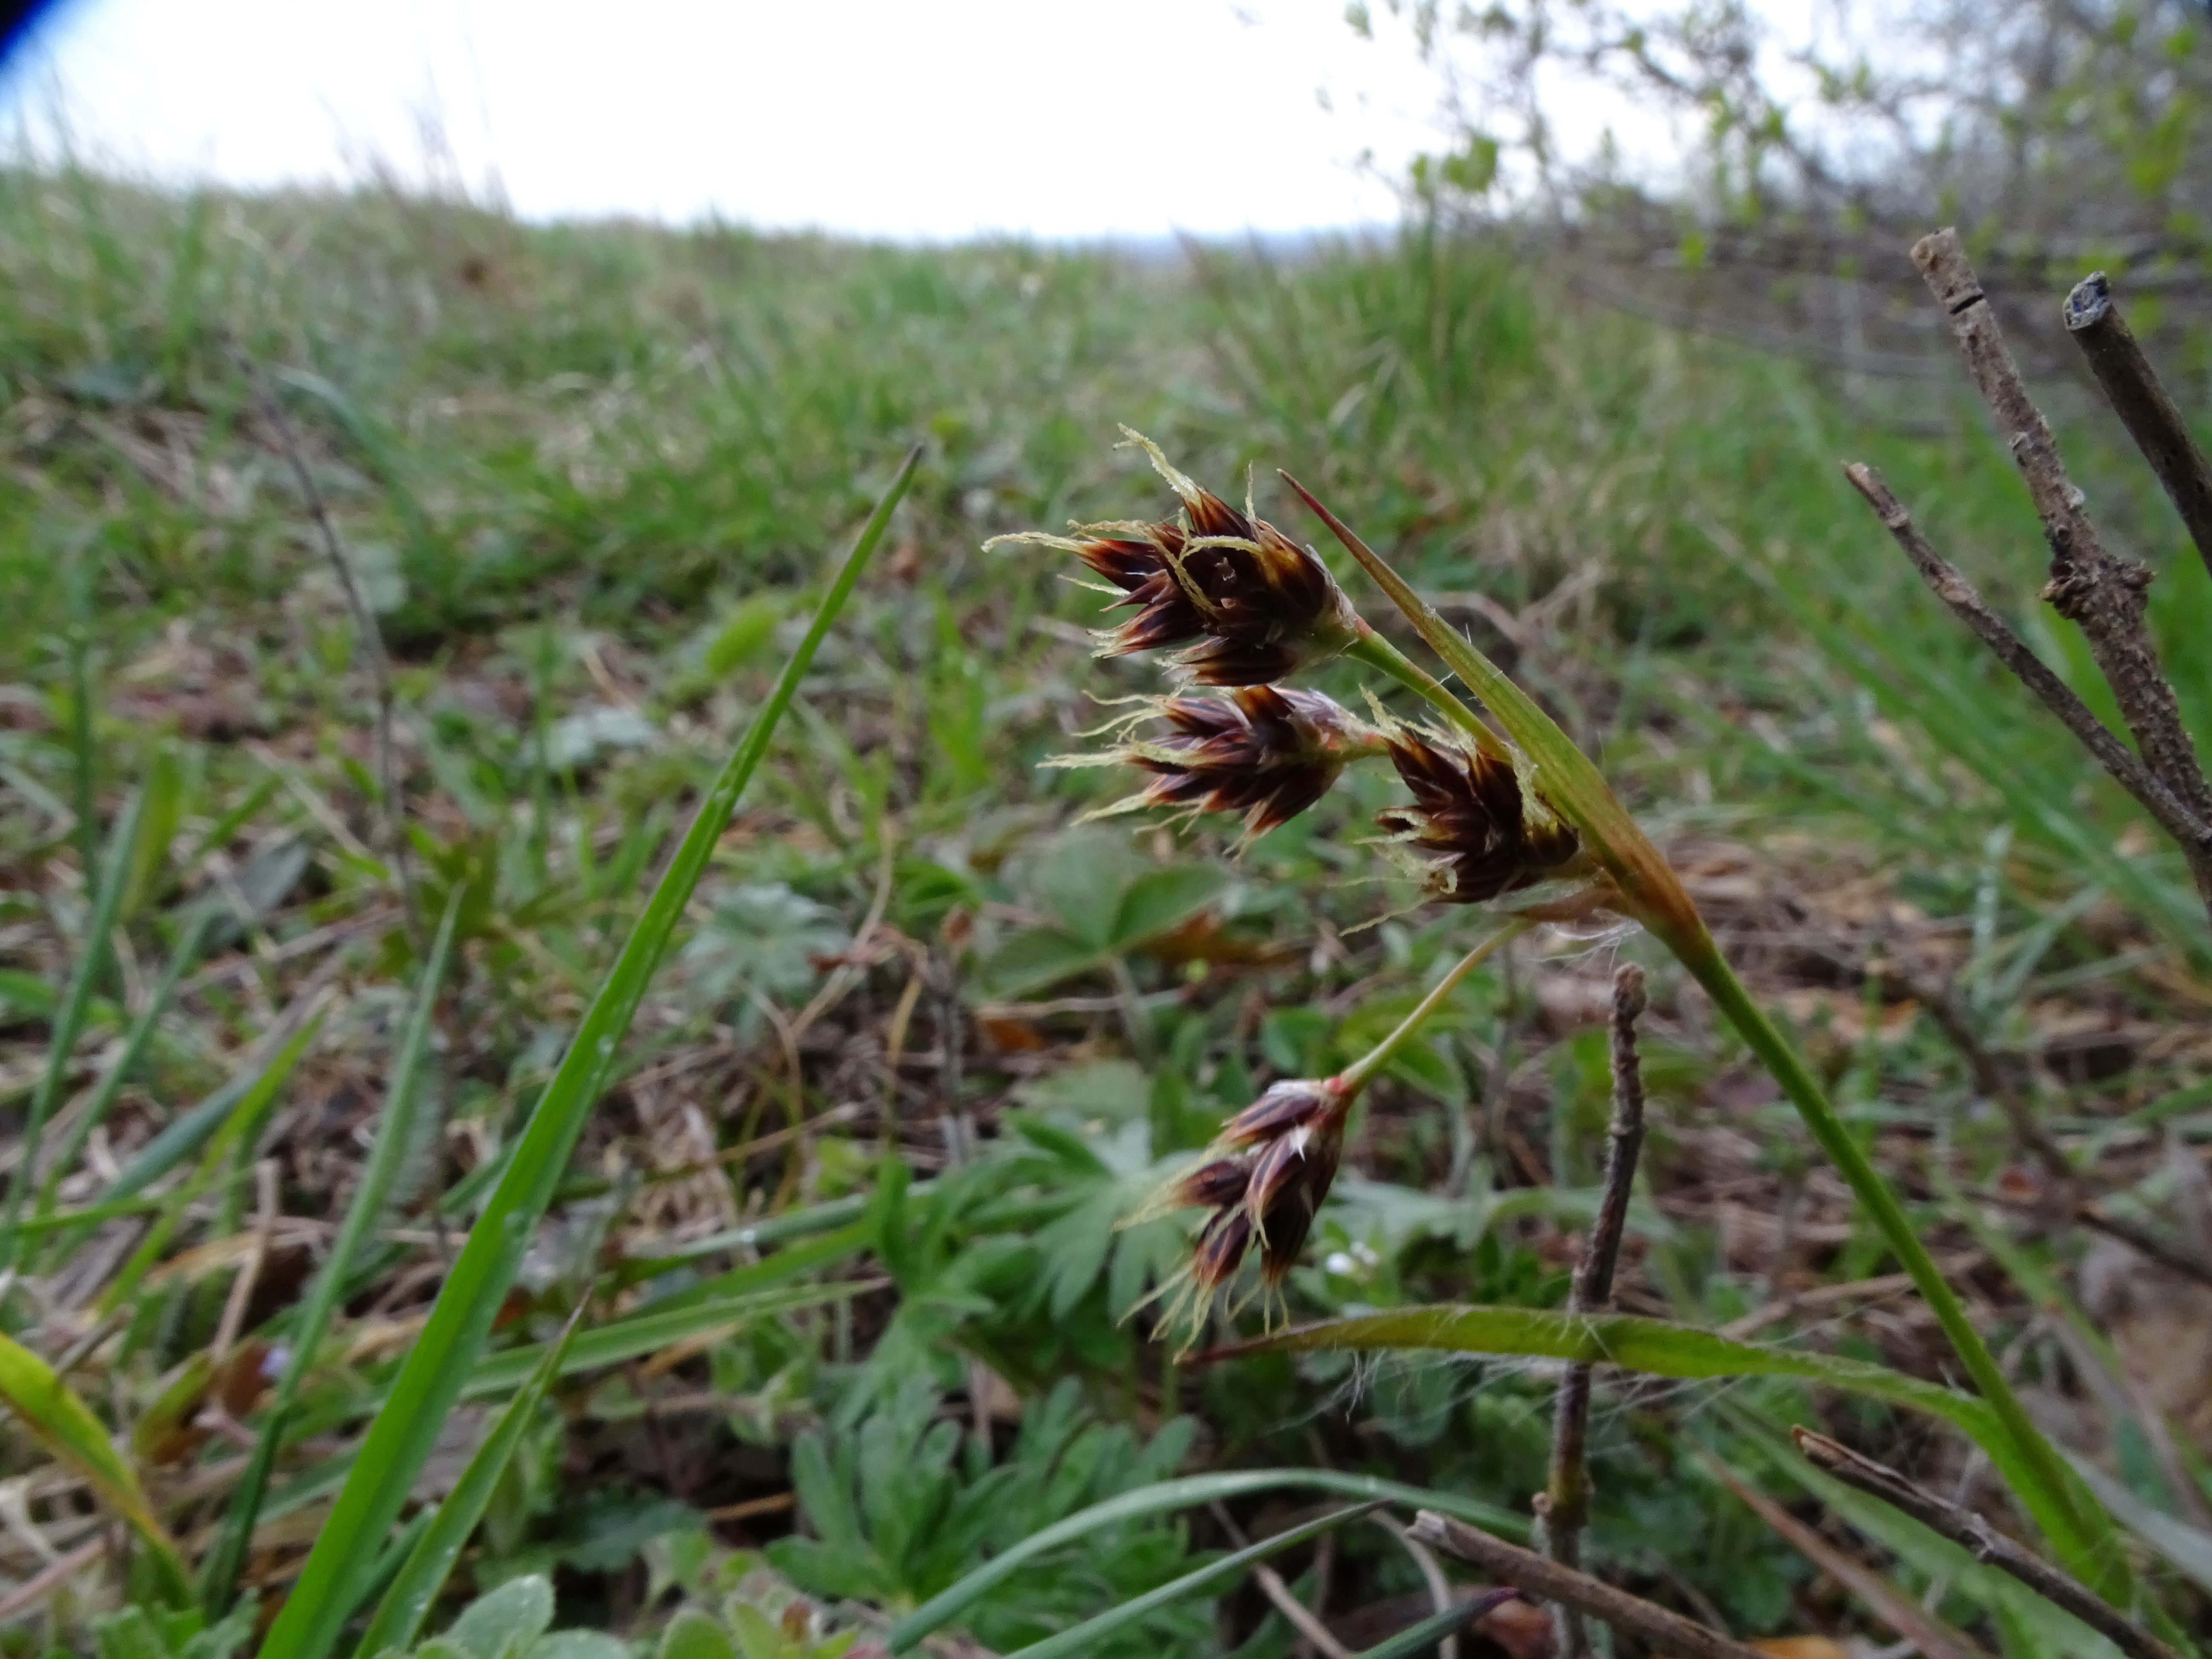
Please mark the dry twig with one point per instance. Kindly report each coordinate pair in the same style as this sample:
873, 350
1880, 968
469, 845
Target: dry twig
2103, 593
1565, 1506
1984, 1542
2093, 319
56, 1572
1949, 584
1912, 1623
1669, 1632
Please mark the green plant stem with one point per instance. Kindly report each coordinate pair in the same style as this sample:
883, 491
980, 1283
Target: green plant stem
1355, 1077
1653, 894
1378, 652
2087, 1553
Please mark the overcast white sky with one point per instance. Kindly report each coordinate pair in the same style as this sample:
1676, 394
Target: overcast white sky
930, 119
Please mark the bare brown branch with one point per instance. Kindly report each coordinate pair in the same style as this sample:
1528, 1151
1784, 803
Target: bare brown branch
1985, 1543
2132, 388
2088, 585
1566, 1503
1508, 1563
2192, 831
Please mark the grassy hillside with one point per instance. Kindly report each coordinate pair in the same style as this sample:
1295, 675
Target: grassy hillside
924, 1038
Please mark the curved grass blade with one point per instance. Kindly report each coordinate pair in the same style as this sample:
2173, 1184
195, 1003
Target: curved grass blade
1422, 1637
65, 1426
951, 1602
1653, 1347
395, 1133
68, 1017
431, 1380
1081, 1638
424, 1573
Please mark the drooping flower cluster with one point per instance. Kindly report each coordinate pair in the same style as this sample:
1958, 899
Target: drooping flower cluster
1242, 607
1261, 1183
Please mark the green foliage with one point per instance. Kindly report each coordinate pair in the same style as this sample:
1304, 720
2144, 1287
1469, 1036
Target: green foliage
594, 500
907, 1502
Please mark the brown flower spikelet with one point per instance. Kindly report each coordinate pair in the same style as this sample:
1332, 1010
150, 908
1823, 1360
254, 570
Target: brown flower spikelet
1489, 834
1266, 751
1263, 1182
1249, 604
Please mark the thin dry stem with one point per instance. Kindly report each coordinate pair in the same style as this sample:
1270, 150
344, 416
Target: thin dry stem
1566, 1503
2192, 831
371, 639
2102, 593
2132, 388
1984, 1542
1432, 1574
1669, 1632
1278, 1593
2177, 1258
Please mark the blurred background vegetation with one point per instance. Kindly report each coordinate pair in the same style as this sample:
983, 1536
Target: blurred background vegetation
925, 1038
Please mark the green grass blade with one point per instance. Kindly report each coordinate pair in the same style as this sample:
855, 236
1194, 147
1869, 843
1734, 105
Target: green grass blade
439, 1364
1083, 1638
650, 1332
399, 1615
187, 1134
951, 1602
1653, 1347
822, 1251
1424, 1637
68, 1017
64, 1425
2188, 1548
395, 1133
134, 1044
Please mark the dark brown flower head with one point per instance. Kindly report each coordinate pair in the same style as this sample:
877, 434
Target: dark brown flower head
1265, 751
1243, 603
1488, 830
1263, 1182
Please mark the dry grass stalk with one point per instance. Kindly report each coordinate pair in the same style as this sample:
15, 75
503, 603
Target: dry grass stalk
1963, 1527
1565, 1506
371, 639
